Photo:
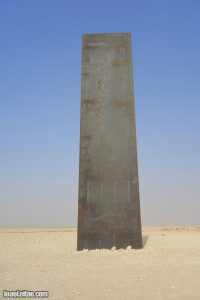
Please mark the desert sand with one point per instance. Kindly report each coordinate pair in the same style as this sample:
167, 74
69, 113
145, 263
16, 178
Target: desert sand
45, 259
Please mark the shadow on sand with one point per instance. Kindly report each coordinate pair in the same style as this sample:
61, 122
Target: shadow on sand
144, 240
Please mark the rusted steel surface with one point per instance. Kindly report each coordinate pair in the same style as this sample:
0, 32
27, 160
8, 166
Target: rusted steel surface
109, 204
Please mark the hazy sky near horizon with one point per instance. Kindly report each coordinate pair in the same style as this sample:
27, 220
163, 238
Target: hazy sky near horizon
40, 76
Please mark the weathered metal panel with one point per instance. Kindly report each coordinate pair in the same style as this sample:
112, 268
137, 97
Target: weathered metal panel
109, 205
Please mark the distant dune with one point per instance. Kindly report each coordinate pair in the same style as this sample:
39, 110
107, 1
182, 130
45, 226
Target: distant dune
45, 259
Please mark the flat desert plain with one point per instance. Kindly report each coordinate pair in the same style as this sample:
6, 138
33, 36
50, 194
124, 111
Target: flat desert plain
45, 259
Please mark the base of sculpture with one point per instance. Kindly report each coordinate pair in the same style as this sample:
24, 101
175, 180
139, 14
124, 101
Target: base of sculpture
109, 205
109, 244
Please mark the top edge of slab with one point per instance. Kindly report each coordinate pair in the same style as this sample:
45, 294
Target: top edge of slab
106, 34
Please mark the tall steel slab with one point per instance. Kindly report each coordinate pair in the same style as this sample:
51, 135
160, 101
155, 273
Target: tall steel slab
109, 204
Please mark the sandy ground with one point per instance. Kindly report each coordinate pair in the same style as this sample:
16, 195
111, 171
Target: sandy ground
168, 267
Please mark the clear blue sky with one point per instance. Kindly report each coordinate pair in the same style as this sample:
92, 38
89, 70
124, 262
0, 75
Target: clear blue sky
40, 74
